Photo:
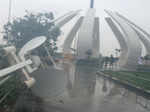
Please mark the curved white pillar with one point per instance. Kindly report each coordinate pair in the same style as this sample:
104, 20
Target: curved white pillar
60, 22
147, 34
132, 41
120, 37
66, 19
71, 35
144, 40
142, 37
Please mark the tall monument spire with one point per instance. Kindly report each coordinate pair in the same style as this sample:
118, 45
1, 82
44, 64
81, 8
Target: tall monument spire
92, 4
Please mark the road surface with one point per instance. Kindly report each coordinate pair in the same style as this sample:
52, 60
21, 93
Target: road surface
81, 90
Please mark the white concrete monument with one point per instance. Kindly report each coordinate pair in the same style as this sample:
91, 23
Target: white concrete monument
133, 47
87, 31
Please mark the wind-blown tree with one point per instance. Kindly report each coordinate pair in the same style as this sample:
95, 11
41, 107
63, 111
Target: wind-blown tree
19, 32
23, 29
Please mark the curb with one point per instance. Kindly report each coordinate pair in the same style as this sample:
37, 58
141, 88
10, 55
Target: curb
127, 85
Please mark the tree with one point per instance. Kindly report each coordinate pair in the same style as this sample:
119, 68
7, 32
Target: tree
23, 29
19, 32
147, 58
117, 51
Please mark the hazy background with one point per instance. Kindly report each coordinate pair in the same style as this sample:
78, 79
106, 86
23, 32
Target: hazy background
135, 10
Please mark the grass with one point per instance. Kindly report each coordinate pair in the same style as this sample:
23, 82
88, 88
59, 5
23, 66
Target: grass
138, 79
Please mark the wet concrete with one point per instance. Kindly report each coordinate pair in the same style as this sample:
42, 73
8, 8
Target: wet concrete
49, 82
79, 89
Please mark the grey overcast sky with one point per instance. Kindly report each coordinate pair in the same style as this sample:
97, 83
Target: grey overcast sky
135, 10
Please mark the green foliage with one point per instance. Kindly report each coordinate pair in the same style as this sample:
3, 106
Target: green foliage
3, 58
147, 57
137, 79
23, 29
12, 85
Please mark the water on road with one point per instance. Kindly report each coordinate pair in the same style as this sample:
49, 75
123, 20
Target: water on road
79, 89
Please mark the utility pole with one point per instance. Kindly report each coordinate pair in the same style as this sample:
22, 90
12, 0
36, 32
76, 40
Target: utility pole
9, 18
92, 4
9, 11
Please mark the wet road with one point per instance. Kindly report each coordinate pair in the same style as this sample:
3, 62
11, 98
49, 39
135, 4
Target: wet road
81, 90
